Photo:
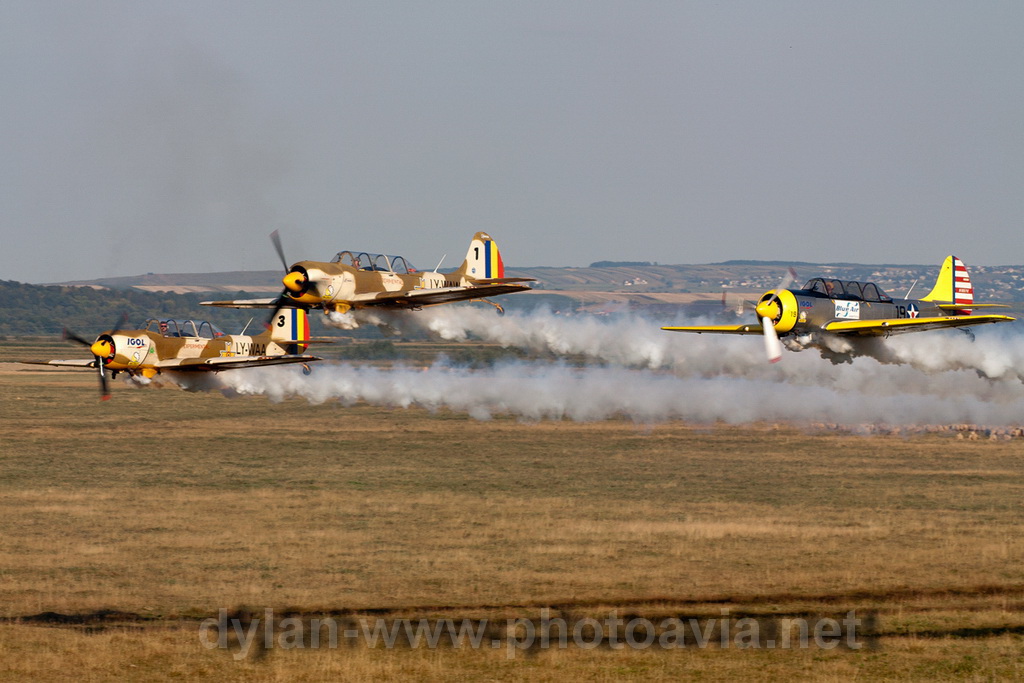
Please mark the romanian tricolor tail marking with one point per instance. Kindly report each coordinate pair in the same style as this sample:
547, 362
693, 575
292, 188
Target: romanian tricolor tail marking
493, 266
300, 323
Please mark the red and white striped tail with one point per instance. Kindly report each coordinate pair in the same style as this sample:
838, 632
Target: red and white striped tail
963, 290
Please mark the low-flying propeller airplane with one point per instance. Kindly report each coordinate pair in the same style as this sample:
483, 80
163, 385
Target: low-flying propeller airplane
842, 308
356, 280
167, 345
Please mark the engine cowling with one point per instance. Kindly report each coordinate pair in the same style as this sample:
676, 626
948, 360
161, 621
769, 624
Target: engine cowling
779, 306
300, 285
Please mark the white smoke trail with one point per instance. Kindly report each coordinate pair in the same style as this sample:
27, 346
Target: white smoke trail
623, 340
861, 393
636, 341
996, 352
343, 321
649, 375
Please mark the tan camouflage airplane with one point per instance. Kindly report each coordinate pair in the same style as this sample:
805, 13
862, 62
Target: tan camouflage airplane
356, 280
167, 345
827, 307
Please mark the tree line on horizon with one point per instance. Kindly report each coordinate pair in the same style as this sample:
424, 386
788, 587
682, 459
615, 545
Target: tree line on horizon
28, 310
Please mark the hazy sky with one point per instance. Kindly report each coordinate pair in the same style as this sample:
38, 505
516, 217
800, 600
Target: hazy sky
175, 136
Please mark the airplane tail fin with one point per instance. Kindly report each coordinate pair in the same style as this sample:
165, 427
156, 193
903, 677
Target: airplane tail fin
483, 260
954, 286
290, 328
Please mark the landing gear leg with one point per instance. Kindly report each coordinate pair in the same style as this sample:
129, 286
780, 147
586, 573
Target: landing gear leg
501, 311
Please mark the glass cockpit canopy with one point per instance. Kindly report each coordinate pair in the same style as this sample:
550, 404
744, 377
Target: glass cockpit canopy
169, 327
383, 262
846, 289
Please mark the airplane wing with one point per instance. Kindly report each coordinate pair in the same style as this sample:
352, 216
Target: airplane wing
972, 306
245, 303
876, 328
231, 362
500, 280
83, 363
429, 297
719, 329
404, 299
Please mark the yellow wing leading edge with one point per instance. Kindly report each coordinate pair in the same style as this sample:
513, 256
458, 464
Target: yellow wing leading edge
718, 329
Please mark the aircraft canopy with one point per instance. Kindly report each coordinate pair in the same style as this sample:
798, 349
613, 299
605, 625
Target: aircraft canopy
367, 261
170, 327
846, 289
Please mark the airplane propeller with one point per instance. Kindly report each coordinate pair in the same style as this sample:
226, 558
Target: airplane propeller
294, 281
767, 311
101, 349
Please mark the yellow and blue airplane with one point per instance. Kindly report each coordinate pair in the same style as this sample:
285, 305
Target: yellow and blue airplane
845, 308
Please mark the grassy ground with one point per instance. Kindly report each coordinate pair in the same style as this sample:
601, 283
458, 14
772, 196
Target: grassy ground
168, 506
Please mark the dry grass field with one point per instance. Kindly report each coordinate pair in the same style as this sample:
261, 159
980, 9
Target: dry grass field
135, 519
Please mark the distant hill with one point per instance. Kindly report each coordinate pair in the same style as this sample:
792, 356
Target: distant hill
46, 310
992, 283
623, 264
261, 281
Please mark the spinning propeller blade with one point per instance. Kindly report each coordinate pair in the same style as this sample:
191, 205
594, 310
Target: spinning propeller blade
785, 282
68, 334
276, 239
104, 390
283, 296
772, 345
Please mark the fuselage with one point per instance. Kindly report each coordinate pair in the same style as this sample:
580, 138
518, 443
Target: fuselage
822, 301
317, 282
141, 349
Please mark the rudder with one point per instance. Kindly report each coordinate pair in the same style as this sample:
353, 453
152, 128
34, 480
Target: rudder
953, 285
483, 260
290, 325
